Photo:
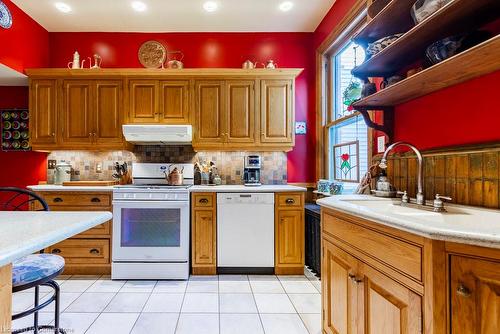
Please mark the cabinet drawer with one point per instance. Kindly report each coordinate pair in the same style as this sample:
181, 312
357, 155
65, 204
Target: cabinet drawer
83, 199
396, 253
89, 251
289, 199
203, 200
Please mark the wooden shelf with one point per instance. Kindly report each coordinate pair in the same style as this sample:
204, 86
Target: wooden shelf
477, 61
456, 17
392, 19
147, 72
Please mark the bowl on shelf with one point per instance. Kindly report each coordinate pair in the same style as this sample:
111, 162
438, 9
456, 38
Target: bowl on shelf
380, 44
450, 46
422, 9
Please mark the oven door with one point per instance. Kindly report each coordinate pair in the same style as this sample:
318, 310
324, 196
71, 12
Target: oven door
150, 231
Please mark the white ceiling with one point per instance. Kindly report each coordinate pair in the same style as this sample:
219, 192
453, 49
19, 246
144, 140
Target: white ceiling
10, 77
178, 15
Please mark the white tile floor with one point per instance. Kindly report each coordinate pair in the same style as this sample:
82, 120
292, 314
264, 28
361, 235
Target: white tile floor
224, 304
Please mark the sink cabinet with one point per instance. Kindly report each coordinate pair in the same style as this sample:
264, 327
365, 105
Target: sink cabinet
379, 279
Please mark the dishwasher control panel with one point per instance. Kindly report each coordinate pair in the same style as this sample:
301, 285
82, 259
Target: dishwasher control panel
245, 198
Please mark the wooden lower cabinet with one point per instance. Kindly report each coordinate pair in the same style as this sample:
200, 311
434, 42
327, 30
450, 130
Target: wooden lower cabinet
371, 285
475, 296
204, 234
289, 234
88, 253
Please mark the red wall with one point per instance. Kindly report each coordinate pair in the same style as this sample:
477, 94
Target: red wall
214, 50
25, 44
20, 169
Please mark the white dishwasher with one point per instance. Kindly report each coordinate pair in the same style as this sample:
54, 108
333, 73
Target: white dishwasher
245, 233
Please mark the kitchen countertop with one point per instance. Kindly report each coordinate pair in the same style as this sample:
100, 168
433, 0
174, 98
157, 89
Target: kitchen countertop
26, 232
241, 188
55, 187
462, 224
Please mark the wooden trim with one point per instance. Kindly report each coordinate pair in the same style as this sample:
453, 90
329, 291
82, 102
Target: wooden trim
454, 150
150, 73
303, 184
337, 36
6, 298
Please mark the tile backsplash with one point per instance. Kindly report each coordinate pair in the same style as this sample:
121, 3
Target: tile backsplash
230, 164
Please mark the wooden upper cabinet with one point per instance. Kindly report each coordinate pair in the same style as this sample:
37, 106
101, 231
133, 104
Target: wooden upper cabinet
174, 102
388, 307
43, 112
210, 114
108, 112
77, 112
143, 101
240, 104
340, 292
475, 296
277, 110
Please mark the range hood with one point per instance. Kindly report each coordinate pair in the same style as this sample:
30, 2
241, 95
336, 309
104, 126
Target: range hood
143, 134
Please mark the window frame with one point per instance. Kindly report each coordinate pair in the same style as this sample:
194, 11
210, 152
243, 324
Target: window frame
352, 23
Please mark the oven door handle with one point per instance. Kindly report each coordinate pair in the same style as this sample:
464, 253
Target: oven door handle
161, 203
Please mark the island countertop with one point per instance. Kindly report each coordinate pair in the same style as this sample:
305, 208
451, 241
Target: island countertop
461, 224
26, 232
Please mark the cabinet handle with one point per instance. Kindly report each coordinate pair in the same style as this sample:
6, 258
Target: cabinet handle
463, 291
90, 134
203, 201
95, 200
57, 200
353, 278
290, 201
56, 251
94, 251
53, 134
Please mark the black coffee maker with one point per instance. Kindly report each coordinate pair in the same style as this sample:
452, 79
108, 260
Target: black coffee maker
251, 172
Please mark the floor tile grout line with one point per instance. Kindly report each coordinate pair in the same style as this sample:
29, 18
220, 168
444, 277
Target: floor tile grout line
142, 309
256, 306
182, 304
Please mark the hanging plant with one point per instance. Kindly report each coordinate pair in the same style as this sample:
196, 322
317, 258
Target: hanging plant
352, 93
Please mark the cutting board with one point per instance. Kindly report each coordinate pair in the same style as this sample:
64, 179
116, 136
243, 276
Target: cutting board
90, 183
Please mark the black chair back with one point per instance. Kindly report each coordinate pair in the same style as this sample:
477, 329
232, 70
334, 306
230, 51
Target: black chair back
17, 199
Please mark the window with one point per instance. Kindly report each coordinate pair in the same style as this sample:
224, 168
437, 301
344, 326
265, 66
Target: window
346, 135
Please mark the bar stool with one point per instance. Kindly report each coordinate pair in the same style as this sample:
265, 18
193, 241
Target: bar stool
34, 270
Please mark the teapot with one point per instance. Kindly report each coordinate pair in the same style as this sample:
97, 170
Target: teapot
175, 63
249, 65
271, 64
175, 177
97, 61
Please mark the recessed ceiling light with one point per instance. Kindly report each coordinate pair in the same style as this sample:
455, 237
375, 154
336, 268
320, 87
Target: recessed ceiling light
62, 7
210, 6
286, 6
139, 6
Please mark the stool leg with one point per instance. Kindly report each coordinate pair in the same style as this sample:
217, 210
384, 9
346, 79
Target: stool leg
56, 318
35, 316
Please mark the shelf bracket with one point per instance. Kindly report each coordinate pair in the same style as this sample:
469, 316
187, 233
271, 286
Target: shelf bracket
388, 122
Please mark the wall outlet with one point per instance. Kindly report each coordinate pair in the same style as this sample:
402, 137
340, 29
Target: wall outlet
98, 168
381, 144
51, 164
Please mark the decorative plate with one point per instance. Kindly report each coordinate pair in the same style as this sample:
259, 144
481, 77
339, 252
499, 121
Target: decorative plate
379, 45
5, 16
152, 54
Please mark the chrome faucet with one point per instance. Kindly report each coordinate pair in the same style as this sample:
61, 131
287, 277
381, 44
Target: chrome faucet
420, 182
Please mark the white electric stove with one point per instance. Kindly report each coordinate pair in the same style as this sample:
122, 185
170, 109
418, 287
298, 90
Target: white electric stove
151, 225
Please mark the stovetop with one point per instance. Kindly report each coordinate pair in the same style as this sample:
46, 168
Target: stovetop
154, 186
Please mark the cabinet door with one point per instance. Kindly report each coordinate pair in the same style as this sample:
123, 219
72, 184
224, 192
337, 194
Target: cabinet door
77, 112
108, 112
276, 111
388, 307
174, 102
475, 296
289, 239
240, 103
203, 242
43, 112
340, 292
143, 101
210, 112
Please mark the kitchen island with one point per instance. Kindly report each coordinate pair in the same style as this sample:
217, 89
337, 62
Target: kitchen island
409, 270
24, 233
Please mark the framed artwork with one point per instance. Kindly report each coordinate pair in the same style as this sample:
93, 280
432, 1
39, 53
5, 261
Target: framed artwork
346, 161
300, 128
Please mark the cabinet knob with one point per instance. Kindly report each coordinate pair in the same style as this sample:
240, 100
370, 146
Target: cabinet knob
57, 200
463, 291
56, 251
203, 201
53, 134
290, 201
355, 279
95, 200
94, 251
